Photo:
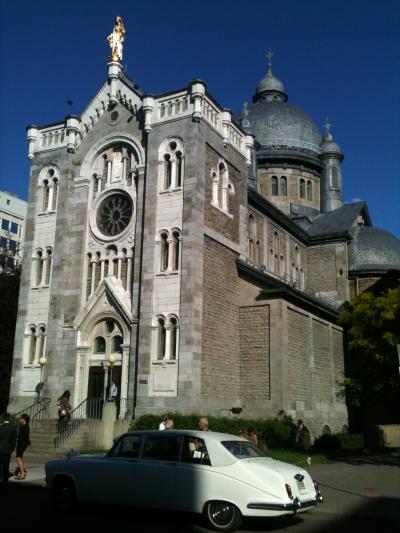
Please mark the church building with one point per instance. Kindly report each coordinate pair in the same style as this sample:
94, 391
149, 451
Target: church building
200, 260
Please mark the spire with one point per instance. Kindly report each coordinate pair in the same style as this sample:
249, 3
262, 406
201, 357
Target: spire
270, 88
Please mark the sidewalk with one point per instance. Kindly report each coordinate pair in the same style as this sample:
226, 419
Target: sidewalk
35, 474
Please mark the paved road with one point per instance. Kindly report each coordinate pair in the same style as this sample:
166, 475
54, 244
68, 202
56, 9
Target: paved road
359, 497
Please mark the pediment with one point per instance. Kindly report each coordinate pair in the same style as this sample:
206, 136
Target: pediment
127, 97
109, 297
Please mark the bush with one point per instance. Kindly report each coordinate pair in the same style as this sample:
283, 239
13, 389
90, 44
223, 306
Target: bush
338, 441
275, 433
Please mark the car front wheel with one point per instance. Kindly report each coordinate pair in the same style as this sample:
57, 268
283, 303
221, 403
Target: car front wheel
222, 516
64, 494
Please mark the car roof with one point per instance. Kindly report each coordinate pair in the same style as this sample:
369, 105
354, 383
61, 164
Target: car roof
209, 435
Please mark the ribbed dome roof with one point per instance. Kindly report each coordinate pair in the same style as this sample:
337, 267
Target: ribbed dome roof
270, 83
279, 124
373, 249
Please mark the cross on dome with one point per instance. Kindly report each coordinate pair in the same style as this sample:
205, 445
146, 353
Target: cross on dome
269, 56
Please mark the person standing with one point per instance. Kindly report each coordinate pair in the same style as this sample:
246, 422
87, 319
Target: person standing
203, 424
22, 443
64, 410
8, 439
164, 418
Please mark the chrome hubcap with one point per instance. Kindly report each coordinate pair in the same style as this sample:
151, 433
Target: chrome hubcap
221, 513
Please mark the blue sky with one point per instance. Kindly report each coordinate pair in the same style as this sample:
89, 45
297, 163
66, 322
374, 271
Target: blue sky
337, 59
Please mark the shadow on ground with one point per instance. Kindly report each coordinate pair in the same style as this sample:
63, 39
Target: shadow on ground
31, 505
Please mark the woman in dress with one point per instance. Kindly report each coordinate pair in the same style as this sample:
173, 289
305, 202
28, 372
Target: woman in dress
22, 443
64, 409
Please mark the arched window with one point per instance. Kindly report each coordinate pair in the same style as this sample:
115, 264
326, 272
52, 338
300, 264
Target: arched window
274, 186
176, 249
48, 266
223, 180
179, 167
164, 251
215, 188
32, 345
174, 337
231, 193
161, 337
171, 163
283, 186
39, 267
46, 194
309, 190
297, 265
302, 188
167, 172
41, 340
116, 345
334, 178
282, 266
275, 247
99, 345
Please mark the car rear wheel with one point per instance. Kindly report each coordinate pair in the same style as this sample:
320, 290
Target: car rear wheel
222, 516
64, 494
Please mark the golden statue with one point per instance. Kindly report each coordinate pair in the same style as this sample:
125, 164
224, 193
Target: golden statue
116, 39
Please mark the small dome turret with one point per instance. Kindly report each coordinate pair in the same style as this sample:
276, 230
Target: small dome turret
270, 88
328, 144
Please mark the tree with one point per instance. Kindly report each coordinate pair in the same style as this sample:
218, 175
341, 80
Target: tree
372, 330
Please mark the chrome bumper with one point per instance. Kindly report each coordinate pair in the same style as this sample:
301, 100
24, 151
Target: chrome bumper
293, 506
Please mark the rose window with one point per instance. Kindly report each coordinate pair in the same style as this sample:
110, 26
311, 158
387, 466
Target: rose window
114, 214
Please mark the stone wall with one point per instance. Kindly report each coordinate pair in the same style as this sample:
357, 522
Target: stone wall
326, 271
220, 347
254, 356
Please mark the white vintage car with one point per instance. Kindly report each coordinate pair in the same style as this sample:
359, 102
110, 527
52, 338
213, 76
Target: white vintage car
221, 476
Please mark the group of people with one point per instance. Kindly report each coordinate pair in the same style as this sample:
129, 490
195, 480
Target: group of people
11, 438
167, 423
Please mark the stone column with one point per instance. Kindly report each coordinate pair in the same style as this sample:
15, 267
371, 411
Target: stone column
124, 379
128, 274
38, 347
110, 264
101, 268
50, 197
119, 267
171, 243
124, 167
167, 354
215, 191
109, 170
173, 173
44, 269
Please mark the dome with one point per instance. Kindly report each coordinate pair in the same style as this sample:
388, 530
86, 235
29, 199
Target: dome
270, 83
328, 144
373, 250
284, 126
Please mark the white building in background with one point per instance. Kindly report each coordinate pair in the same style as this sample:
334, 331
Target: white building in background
12, 224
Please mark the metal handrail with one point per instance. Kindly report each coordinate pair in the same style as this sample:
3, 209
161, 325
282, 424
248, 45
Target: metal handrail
89, 409
36, 411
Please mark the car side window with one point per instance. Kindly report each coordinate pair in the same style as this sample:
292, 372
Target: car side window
162, 448
128, 446
195, 451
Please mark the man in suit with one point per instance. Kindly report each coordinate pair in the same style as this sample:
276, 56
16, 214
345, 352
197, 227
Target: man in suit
8, 439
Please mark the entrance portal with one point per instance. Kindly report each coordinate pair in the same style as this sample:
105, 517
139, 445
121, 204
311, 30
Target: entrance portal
95, 397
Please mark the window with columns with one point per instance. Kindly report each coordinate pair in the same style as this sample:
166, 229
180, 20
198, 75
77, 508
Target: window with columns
39, 267
171, 163
166, 332
274, 263
49, 182
36, 340
252, 234
297, 270
223, 190
169, 253
116, 164
48, 265
113, 261
43, 266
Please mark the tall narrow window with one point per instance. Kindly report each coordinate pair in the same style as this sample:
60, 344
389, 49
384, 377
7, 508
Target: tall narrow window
251, 238
283, 186
223, 182
32, 345
174, 335
48, 266
46, 193
161, 338
231, 194
275, 247
334, 178
164, 249
55, 193
176, 236
309, 190
41, 340
258, 252
99, 345
116, 346
167, 172
274, 186
302, 188
39, 267
178, 169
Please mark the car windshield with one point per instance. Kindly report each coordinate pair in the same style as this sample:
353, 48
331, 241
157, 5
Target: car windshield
243, 450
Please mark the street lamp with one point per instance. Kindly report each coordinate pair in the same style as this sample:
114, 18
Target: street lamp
42, 362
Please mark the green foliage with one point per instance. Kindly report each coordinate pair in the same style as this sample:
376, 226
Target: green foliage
276, 433
372, 325
338, 441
